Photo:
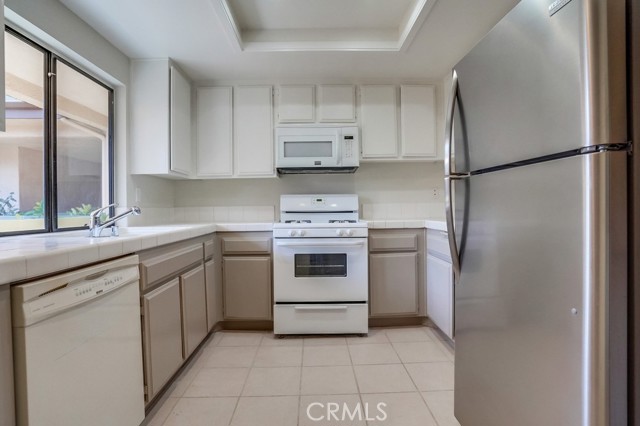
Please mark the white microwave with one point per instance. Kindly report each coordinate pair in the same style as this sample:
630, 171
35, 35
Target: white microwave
305, 149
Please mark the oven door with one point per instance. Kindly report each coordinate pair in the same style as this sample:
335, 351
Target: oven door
320, 270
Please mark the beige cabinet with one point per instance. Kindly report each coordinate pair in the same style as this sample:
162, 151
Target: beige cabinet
246, 275
214, 132
193, 299
378, 115
253, 131
396, 272
174, 308
162, 335
336, 103
214, 294
296, 104
7, 407
160, 119
247, 287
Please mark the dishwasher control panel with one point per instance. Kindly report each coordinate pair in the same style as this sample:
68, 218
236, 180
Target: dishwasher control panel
73, 292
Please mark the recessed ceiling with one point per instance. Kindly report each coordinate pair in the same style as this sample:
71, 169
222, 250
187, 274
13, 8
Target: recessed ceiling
194, 35
330, 25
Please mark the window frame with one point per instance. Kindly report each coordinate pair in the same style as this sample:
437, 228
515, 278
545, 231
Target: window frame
50, 184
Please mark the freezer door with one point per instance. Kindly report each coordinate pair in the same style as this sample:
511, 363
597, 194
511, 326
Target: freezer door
538, 84
539, 310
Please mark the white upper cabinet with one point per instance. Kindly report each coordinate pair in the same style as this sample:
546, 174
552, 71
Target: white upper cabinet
160, 119
214, 132
336, 103
296, 104
379, 121
418, 121
253, 131
180, 128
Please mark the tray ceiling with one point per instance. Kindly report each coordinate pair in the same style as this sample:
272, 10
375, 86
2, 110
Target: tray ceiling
329, 25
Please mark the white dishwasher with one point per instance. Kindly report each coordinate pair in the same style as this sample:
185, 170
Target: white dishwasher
78, 347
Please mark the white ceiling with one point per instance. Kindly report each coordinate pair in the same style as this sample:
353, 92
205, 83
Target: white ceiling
193, 34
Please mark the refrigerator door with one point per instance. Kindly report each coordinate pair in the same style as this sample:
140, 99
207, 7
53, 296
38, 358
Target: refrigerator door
539, 310
538, 85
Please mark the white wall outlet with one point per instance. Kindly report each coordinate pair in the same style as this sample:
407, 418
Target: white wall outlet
435, 193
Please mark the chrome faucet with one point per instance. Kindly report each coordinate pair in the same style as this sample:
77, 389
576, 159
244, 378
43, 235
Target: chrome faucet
96, 227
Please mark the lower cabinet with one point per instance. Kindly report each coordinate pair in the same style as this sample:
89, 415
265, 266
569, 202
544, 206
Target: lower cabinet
440, 285
247, 287
7, 407
394, 283
396, 272
214, 297
162, 334
440, 293
194, 309
174, 309
246, 275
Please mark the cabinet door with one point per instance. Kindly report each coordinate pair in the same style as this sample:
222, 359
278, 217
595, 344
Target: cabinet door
180, 127
379, 121
194, 309
393, 280
337, 103
418, 121
7, 407
440, 294
296, 104
162, 335
247, 287
253, 131
214, 132
214, 300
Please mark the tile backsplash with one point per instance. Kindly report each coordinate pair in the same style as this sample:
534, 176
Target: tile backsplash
260, 214
396, 211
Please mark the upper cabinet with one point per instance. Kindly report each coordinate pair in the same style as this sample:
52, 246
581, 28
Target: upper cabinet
234, 132
160, 119
418, 121
413, 137
378, 106
253, 131
336, 103
296, 104
214, 138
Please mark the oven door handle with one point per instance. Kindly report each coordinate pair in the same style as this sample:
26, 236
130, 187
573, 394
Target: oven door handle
321, 308
320, 244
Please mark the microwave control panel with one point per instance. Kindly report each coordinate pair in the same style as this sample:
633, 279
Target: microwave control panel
347, 146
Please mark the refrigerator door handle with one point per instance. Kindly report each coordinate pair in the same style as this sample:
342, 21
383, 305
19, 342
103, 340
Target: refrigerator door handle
450, 176
451, 234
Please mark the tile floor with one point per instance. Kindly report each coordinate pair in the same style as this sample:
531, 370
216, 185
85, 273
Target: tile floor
253, 379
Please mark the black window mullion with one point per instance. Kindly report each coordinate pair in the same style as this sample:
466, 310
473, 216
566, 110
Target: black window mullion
51, 210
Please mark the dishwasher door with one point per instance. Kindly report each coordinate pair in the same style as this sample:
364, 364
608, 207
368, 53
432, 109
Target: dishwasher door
78, 347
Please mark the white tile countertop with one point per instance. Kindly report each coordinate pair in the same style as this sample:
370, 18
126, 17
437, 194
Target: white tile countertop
29, 256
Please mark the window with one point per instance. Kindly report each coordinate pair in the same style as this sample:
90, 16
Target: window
56, 156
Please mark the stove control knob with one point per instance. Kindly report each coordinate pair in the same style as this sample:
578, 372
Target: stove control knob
293, 233
348, 232
339, 232
302, 232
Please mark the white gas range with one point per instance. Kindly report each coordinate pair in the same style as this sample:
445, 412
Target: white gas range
320, 267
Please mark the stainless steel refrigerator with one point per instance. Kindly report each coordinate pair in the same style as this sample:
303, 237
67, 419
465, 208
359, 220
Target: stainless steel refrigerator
538, 165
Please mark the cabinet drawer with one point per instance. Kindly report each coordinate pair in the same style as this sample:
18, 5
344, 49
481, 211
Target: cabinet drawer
235, 245
167, 264
393, 242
